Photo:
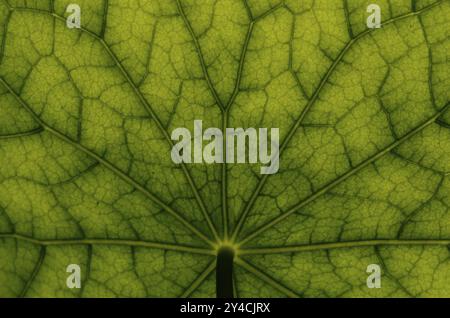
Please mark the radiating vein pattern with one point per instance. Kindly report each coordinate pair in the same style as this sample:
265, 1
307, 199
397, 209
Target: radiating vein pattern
86, 175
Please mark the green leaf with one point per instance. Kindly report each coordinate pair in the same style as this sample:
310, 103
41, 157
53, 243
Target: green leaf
86, 175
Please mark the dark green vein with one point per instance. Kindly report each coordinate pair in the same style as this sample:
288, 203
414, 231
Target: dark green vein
104, 18
443, 124
23, 134
4, 36
388, 274
36, 269
244, 53
269, 11
420, 208
241, 64
430, 62
200, 55
88, 269
347, 19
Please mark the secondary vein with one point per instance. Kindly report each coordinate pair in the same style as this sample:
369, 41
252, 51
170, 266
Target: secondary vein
199, 280
120, 242
338, 245
36, 270
266, 278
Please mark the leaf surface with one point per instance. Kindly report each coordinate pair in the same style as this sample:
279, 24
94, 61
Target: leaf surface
86, 175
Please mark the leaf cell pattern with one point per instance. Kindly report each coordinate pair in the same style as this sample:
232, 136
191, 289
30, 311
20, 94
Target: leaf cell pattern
86, 176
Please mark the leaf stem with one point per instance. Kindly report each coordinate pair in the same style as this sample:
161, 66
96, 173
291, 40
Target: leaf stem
224, 273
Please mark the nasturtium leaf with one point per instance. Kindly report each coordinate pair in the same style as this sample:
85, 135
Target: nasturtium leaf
86, 175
